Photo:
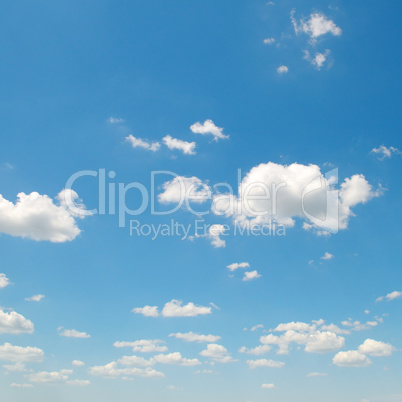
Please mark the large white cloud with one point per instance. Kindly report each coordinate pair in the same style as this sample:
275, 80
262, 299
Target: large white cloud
20, 353
316, 25
208, 128
193, 337
313, 336
376, 348
282, 193
14, 323
37, 217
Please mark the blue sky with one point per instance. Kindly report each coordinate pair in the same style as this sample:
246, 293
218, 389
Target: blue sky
285, 93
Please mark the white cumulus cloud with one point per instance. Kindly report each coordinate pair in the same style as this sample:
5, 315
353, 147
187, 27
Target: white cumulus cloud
183, 188
144, 144
37, 217
391, 296
250, 275
147, 311
351, 358
376, 348
208, 128
236, 265
282, 69
4, 281
217, 353
316, 25
13, 353
173, 143
14, 323
175, 308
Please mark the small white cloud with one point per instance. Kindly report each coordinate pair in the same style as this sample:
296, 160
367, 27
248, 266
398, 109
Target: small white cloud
175, 358
192, 337
269, 41
257, 351
147, 311
4, 281
359, 326
78, 363
316, 374
383, 152
35, 298
135, 361
351, 358
327, 256
24, 385
143, 345
214, 233
50, 377
173, 143
182, 189
175, 308
318, 60
208, 128
258, 326
16, 367
253, 364
144, 144
115, 120
250, 275
80, 383
111, 370
391, 296
72, 333
282, 69
217, 353
236, 265
267, 386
